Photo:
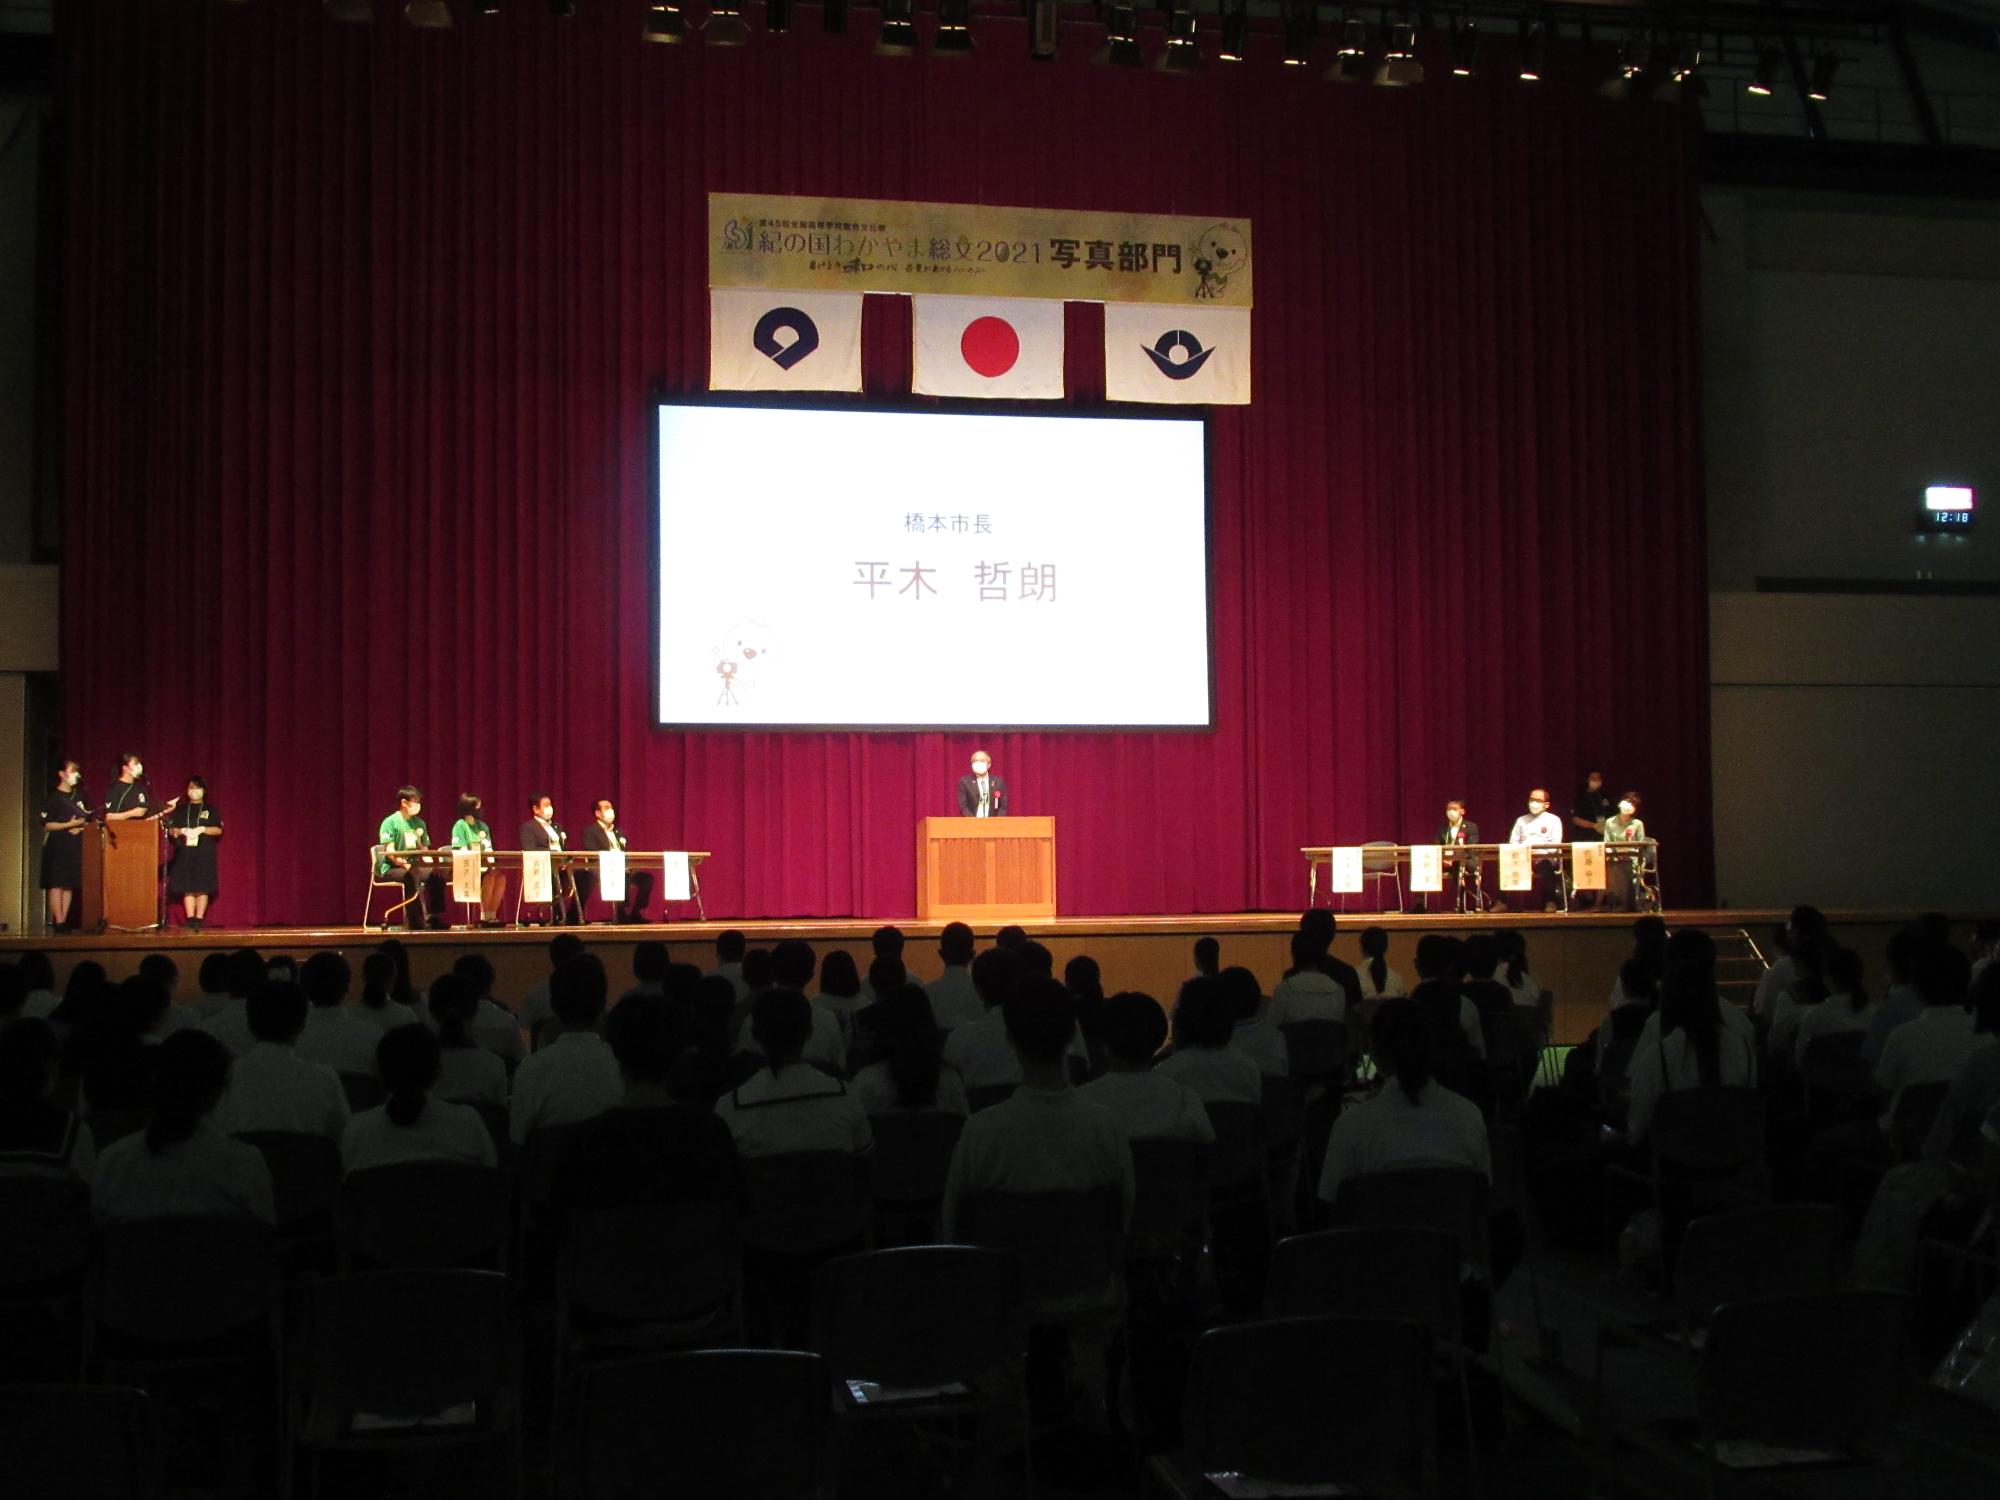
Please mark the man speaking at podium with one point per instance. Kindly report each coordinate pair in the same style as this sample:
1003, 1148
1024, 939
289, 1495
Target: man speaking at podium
982, 794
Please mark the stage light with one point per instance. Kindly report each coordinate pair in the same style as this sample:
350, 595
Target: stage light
954, 33
833, 17
432, 14
899, 33
1300, 30
1634, 54
778, 16
1235, 30
1350, 59
1044, 30
1181, 54
489, 7
1121, 40
726, 26
1464, 48
664, 24
1399, 58
1822, 77
1534, 50
350, 10
1765, 79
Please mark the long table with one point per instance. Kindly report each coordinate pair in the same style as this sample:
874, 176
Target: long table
1388, 859
564, 861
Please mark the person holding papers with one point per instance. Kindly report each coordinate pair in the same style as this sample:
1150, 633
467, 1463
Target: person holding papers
1540, 826
471, 831
401, 832
193, 828
541, 832
982, 794
601, 835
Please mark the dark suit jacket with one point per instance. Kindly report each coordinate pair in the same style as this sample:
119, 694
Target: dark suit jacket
532, 837
968, 796
594, 836
1444, 832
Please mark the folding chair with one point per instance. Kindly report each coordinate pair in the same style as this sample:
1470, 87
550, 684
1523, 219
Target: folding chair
908, 1166
1382, 861
750, 1424
80, 1442
806, 1202
424, 1216
1709, 1141
648, 1280
1305, 1401
1453, 1200
393, 1362
305, 1180
1070, 1244
45, 1243
407, 895
1836, 1080
926, 1332
1169, 1198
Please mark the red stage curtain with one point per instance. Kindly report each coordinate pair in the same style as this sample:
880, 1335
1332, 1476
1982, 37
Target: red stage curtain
361, 324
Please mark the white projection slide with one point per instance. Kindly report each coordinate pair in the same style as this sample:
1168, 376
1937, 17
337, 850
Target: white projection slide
894, 569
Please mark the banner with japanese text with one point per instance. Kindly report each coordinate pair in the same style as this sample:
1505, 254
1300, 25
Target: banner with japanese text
785, 243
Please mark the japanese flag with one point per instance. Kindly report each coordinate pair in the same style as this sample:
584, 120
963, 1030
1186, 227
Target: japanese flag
1177, 356
784, 341
978, 346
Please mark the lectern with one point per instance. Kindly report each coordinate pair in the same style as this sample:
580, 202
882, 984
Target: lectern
986, 870
121, 876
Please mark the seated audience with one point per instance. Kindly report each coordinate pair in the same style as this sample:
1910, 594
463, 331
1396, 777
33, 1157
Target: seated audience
494, 1027
649, 971
1319, 926
1412, 1120
792, 969
1932, 1047
229, 1022
885, 942
164, 972
1975, 1087
1805, 923
1378, 980
1085, 983
38, 978
378, 1005
38, 1137
1693, 1048
574, 1078
979, 1051
333, 1038
1901, 1000
410, 1125
953, 999
1692, 951
1203, 1059
730, 946
1255, 1037
537, 1009
1846, 1009
1521, 984
270, 1087
788, 1105
911, 1075
1441, 991
1798, 999
467, 1072
706, 1070
1307, 992
1207, 957
840, 989
181, 1166
1147, 1103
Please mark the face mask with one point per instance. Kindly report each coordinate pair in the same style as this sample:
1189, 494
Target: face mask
415, 809
137, 770
609, 815
196, 794
1453, 816
980, 768
1626, 809
70, 779
1537, 807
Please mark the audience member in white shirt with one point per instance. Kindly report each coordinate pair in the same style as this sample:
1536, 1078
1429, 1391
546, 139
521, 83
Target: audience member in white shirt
1903, 963
1255, 1037
227, 1023
730, 947
1203, 1059
537, 1010
1803, 923
333, 1038
1692, 951
1649, 948
1846, 1008
792, 966
410, 1125
1378, 980
1514, 972
840, 989
1412, 1120
378, 1006
1149, 1104
978, 1051
1207, 958
1308, 993
953, 999
1797, 999
38, 978
1692, 1050
575, 1078
494, 1027
467, 1072
271, 1089
1934, 1046
181, 1166
790, 1106
911, 1076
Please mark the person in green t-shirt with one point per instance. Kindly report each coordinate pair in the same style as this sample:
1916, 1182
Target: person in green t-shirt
403, 831
471, 832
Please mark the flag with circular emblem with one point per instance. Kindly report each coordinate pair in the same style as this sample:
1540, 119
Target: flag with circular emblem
1009, 347
1177, 356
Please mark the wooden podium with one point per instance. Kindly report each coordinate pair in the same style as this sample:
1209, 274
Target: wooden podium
986, 870
121, 876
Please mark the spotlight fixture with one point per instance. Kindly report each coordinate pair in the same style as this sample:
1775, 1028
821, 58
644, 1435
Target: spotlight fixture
1687, 58
1300, 30
1682, 73
1822, 77
1235, 30
1534, 50
487, 7
1399, 57
350, 10
899, 32
1464, 48
434, 15
1044, 30
1634, 54
954, 33
726, 26
1121, 41
664, 24
778, 16
1765, 79
1181, 54
833, 17
1350, 61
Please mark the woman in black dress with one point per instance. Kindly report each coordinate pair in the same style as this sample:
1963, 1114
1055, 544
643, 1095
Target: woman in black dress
192, 829
65, 815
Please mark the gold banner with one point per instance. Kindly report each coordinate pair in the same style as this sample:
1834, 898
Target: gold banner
975, 250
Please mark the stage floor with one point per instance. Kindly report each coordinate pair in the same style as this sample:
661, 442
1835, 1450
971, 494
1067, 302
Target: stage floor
1574, 955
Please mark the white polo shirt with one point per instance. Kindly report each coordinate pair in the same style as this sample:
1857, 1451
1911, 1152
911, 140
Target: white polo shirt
1150, 1106
797, 1108
1929, 1049
1217, 1075
442, 1131
827, 1043
877, 1092
573, 1079
470, 1075
954, 1001
231, 1026
1264, 1045
208, 1175
334, 1039
271, 1089
1039, 1140
1309, 995
1441, 1129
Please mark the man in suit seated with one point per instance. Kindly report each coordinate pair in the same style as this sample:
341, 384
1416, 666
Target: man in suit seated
542, 831
602, 834
982, 794
1464, 872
